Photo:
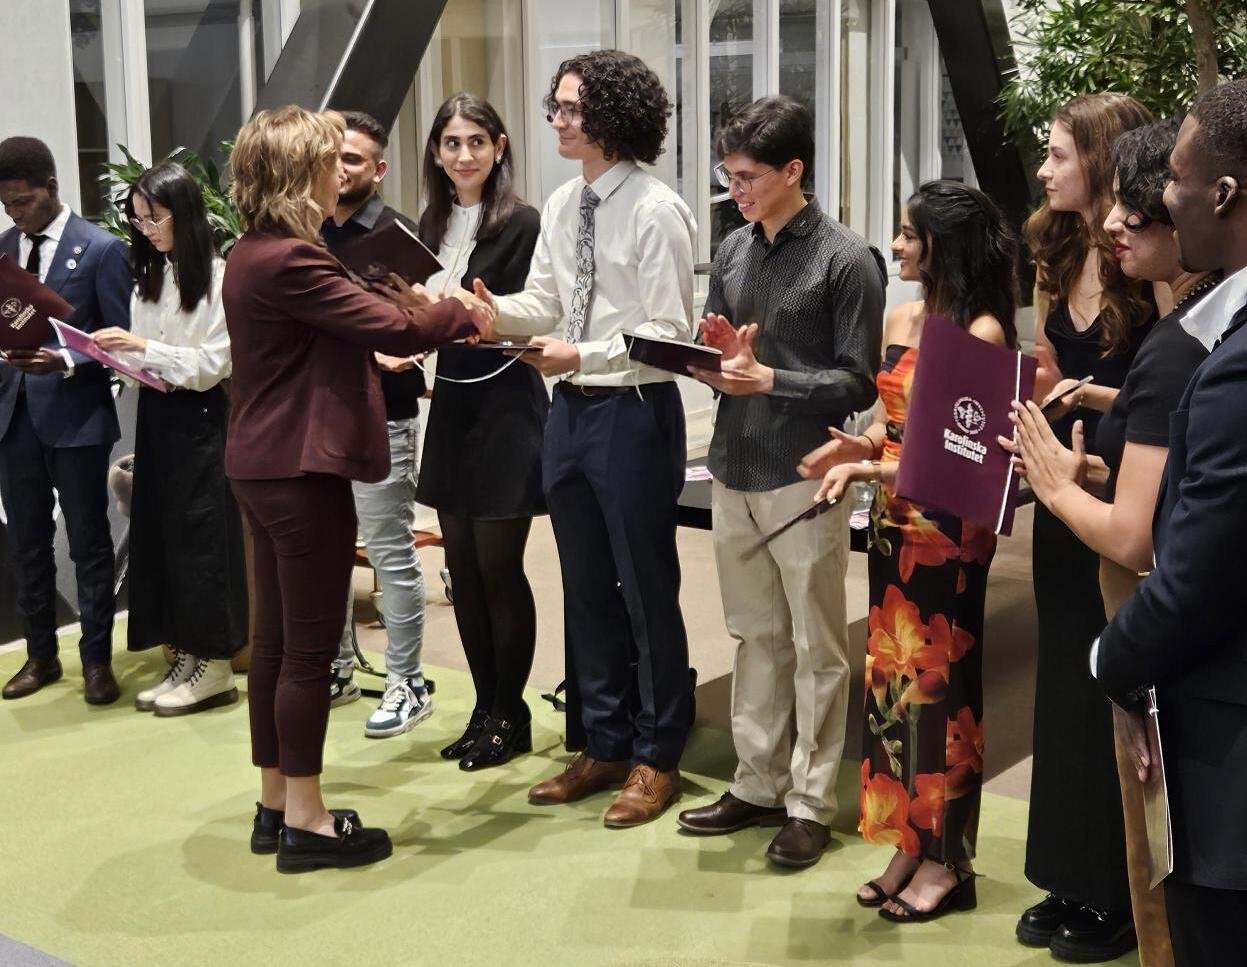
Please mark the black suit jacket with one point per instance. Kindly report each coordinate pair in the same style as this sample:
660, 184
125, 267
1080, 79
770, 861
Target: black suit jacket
1185, 630
91, 271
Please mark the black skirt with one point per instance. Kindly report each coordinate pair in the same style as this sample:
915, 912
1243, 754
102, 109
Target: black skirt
482, 442
187, 575
1075, 842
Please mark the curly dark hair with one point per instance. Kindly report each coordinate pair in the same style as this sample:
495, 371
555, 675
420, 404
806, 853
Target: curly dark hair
26, 159
1141, 158
623, 103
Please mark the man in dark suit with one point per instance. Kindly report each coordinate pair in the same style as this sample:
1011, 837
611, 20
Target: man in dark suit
1184, 631
58, 423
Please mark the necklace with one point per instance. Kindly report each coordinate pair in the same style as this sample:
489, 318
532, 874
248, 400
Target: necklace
1197, 289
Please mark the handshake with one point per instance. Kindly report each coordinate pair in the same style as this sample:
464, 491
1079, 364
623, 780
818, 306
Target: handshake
479, 303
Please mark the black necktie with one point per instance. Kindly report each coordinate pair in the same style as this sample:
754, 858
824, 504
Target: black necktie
33, 262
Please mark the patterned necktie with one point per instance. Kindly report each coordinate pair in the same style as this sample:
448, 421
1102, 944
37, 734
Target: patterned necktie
582, 294
34, 260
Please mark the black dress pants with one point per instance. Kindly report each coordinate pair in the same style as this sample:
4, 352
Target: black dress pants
29, 472
613, 468
1208, 927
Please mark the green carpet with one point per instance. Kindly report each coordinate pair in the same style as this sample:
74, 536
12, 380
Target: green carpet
126, 844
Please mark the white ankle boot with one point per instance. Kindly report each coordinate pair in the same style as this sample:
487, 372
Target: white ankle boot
210, 683
179, 671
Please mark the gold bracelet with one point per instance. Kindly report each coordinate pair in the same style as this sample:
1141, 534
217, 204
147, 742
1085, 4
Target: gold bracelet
877, 467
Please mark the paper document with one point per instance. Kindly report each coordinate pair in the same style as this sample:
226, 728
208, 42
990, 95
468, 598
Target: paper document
1156, 802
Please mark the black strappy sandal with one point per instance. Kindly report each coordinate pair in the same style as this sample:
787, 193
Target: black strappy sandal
962, 896
880, 895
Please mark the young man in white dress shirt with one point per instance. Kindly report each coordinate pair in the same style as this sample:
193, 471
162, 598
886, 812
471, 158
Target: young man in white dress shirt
615, 256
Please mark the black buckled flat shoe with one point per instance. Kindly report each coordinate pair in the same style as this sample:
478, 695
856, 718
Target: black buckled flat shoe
728, 815
962, 896
500, 741
463, 745
1038, 923
268, 824
301, 851
1091, 937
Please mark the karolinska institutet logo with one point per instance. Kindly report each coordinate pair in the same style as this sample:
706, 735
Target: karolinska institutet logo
14, 313
971, 420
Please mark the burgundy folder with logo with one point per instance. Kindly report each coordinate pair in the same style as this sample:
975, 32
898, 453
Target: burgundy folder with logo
959, 403
25, 305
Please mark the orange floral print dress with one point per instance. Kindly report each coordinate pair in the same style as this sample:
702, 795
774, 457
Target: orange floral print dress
922, 766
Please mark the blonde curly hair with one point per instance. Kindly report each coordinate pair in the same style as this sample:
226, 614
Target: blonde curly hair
278, 158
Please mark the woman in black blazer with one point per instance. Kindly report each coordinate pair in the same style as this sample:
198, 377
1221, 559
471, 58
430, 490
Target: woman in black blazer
481, 468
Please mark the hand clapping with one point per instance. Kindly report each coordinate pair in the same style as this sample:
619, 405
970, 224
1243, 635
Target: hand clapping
1040, 457
741, 373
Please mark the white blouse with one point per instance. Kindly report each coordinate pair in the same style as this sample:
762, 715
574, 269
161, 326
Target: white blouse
189, 350
456, 249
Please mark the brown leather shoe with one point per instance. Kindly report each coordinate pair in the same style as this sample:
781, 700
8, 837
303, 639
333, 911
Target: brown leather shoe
36, 673
799, 844
583, 776
99, 686
646, 795
728, 815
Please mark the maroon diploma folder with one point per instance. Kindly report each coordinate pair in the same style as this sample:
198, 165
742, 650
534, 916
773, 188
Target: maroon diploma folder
25, 305
960, 401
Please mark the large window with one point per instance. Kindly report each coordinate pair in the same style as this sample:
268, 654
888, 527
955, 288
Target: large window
86, 24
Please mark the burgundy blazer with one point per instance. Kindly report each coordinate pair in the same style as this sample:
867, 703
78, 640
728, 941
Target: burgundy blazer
305, 396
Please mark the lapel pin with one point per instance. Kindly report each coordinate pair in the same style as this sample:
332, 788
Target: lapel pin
71, 264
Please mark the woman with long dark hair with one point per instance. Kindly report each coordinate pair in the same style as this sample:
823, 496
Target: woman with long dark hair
922, 767
481, 468
187, 573
1089, 321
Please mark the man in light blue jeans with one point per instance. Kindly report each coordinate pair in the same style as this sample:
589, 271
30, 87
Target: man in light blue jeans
386, 510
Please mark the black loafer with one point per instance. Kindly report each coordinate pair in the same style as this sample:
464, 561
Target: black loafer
1038, 924
267, 827
1091, 937
462, 745
301, 851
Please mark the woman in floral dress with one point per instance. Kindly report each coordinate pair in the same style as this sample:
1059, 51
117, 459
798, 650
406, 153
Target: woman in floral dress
922, 768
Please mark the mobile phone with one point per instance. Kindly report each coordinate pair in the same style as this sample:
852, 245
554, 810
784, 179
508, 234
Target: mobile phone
1056, 399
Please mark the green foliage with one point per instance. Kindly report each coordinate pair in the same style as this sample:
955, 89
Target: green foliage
118, 179
1139, 47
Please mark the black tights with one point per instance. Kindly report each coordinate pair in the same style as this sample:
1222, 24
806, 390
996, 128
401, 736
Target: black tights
494, 607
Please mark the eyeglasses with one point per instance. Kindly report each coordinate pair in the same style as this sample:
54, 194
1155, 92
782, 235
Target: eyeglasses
571, 113
743, 185
146, 225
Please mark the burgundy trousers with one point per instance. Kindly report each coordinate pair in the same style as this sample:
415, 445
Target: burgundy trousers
304, 546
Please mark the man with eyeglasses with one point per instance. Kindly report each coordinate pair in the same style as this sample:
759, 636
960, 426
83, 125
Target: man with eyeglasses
796, 306
615, 255
58, 423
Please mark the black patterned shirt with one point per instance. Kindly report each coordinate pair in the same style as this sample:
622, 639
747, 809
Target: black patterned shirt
816, 293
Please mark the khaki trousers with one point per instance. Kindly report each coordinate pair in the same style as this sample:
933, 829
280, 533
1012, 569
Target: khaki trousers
785, 608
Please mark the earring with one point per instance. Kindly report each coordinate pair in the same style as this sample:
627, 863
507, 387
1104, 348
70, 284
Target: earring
498, 160
438, 162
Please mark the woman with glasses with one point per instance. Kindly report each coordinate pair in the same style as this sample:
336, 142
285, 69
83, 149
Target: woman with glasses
481, 468
187, 575
1133, 439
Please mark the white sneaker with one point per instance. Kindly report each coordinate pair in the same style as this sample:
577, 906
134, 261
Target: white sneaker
402, 708
179, 671
342, 689
210, 684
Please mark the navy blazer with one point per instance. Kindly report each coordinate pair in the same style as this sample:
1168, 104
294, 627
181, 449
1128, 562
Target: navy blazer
91, 271
1185, 630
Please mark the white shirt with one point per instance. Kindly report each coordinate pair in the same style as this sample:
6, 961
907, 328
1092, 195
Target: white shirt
189, 350
642, 274
47, 252
456, 249
1208, 320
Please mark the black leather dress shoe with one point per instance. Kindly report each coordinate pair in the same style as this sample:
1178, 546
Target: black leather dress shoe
33, 675
301, 851
268, 824
500, 741
99, 687
1037, 925
462, 745
728, 815
799, 844
1091, 937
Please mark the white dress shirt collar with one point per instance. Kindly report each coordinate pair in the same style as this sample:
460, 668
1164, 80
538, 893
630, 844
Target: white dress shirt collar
1209, 320
605, 184
56, 228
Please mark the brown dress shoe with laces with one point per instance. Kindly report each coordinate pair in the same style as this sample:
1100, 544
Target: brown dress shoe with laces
799, 844
646, 796
99, 687
583, 776
36, 673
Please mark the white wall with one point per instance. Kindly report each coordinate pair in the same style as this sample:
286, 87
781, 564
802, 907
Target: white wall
37, 76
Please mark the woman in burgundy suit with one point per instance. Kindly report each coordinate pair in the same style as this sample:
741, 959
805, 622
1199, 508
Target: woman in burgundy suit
306, 419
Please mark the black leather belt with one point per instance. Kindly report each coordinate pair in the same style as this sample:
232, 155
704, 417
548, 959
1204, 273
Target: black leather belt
577, 389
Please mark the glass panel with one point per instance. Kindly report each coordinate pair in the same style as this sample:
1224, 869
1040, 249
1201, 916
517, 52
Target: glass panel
655, 37
194, 90
855, 102
800, 67
955, 161
86, 30
731, 88
905, 123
